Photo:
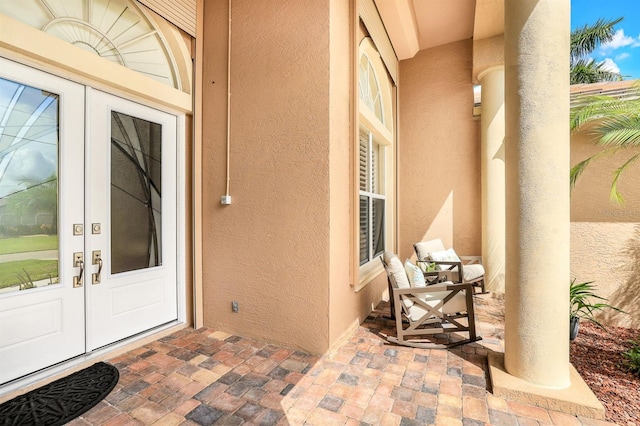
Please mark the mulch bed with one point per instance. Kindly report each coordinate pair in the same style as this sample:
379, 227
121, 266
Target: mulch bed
597, 355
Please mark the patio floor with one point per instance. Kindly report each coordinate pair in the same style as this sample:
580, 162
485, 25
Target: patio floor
204, 377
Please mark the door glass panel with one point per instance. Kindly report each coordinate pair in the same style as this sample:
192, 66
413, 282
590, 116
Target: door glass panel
136, 208
29, 133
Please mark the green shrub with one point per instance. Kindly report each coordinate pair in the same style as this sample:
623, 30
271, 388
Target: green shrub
632, 357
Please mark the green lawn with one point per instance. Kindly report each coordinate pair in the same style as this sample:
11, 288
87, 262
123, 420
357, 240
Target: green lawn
37, 269
30, 243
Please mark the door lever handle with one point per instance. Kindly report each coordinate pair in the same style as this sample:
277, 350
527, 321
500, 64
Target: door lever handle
78, 263
96, 260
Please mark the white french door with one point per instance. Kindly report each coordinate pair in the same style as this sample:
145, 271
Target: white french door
42, 313
87, 219
131, 215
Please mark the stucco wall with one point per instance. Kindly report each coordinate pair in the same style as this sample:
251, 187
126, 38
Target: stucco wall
282, 249
605, 237
268, 250
439, 159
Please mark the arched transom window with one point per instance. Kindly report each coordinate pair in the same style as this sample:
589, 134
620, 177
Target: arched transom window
369, 88
116, 30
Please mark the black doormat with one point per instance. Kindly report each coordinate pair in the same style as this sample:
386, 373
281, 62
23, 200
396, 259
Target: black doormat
62, 400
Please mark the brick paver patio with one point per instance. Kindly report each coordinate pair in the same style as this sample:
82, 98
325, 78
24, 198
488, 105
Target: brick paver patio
206, 377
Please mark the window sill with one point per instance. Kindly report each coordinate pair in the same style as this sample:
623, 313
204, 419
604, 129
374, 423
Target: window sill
368, 272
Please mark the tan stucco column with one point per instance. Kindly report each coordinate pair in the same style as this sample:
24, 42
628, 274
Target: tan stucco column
493, 176
537, 191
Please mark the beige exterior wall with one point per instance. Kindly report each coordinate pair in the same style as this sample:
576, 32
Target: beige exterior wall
282, 248
605, 237
439, 161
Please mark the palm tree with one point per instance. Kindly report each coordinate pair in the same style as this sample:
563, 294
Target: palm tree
583, 42
614, 123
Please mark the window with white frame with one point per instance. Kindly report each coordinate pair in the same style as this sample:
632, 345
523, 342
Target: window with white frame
376, 136
372, 199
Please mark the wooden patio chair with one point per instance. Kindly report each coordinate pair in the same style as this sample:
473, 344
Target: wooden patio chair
461, 269
422, 313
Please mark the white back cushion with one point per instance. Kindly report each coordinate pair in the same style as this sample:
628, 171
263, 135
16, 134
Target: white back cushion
423, 248
396, 270
416, 277
441, 255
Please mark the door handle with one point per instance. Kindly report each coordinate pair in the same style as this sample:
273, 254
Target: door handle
96, 260
78, 263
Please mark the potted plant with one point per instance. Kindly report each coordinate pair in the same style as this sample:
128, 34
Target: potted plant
584, 304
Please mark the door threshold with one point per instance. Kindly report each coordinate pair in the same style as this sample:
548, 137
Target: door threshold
40, 378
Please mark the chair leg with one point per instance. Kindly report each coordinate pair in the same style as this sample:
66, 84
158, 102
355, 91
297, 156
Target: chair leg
471, 317
480, 286
426, 345
392, 314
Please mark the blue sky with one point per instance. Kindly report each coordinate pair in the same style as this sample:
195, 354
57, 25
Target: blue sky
623, 53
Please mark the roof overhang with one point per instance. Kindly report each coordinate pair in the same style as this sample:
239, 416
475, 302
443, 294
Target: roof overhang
415, 25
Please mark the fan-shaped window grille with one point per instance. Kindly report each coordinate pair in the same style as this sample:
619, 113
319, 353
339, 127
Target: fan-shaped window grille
116, 30
369, 88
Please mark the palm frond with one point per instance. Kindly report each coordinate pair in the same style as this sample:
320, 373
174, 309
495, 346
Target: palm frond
585, 71
584, 40
579, 168
607, 112
615, 195
619, 130
590, 108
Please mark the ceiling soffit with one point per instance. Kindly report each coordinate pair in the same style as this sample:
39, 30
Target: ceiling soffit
415, 25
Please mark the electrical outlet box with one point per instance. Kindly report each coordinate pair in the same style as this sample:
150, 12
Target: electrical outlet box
234, 306
225, 199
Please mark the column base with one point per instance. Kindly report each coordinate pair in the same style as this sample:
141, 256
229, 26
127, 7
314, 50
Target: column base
577, 399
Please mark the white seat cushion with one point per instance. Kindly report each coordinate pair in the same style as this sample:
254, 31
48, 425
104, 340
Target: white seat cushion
457, 303
472, 272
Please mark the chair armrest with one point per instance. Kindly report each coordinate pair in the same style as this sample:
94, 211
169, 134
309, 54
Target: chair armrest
445, 274
443, 286
432, 277
452, 263
448, 286
470, 260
